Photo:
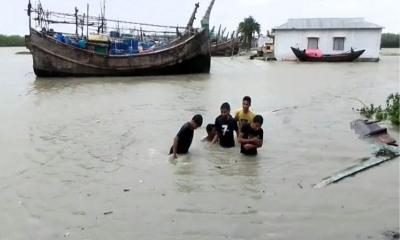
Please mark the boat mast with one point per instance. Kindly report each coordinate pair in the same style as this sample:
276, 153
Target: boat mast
189, 26
87, 20
222, 34
205, 22
29, 14
76, 21
219, 33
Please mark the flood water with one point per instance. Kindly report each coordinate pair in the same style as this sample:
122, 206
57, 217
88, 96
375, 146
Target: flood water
86, 158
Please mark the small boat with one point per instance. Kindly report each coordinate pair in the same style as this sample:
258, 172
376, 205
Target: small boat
58, 54
315, 55
227, 48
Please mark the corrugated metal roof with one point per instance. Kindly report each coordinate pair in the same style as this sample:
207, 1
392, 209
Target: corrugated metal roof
327, 23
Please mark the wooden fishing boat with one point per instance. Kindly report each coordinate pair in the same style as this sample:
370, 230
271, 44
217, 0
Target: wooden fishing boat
189, 53
341, 57
227, 48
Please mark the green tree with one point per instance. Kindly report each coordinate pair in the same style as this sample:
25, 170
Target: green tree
390, 40
248, 27
13, 40
391, 112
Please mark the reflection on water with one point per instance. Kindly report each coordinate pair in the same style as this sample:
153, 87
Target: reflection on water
70, 146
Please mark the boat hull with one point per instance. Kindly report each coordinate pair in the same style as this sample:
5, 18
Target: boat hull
225, 49
56, 59
342, 57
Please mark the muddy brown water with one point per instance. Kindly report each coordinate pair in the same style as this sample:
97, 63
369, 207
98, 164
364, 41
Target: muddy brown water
86, 158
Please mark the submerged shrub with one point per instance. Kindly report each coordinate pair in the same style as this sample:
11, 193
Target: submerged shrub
391, 112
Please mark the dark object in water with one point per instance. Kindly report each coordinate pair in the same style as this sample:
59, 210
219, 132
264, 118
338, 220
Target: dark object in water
259, 54
384, 154
365, 128
341, 57
391, 235
371, 129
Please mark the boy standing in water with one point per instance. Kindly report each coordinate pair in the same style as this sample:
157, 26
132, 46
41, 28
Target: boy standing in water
244, 115
225, 124
211, 132
251, 136
183, 139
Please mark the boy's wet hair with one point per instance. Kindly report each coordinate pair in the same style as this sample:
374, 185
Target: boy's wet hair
209, 127
248, 99
226, 106
258, 119
198, 119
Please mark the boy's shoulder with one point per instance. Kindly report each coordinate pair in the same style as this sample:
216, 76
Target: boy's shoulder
238, 112
186, 126
251, 114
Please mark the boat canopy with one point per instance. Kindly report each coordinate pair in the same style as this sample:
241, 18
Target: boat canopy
314, 53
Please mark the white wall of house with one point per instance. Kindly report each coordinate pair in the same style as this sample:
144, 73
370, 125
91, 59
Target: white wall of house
368, 39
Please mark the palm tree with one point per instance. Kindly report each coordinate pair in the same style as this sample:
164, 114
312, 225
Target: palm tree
248, 27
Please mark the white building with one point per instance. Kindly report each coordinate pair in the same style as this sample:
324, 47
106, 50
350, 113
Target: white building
331, 35
263, 40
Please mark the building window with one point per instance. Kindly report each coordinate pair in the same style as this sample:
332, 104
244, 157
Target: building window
338, 43
312, 43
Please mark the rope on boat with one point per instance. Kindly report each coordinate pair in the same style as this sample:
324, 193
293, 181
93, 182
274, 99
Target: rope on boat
72, 16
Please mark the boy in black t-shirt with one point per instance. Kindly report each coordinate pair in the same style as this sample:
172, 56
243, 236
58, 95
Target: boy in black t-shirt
225, 124
251, 136
183, 139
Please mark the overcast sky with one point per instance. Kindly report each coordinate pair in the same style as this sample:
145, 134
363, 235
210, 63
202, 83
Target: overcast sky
269, 13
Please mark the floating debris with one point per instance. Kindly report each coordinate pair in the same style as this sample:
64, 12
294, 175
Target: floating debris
366, 128
384, 154
107, 213
391, 235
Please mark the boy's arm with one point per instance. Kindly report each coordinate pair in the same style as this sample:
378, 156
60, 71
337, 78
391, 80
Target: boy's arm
236, 128
175, 147
259, 142
215, 139
254, 141
250, 146
216, 125
240, 138
260, 139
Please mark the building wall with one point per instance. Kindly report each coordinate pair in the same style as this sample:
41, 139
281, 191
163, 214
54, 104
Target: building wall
368, 39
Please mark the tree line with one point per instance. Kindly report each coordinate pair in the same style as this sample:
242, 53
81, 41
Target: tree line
11, 41
390, 40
